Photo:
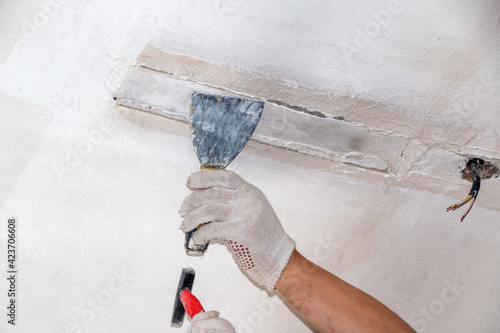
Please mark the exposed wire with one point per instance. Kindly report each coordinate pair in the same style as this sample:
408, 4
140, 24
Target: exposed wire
475, 166
460, 204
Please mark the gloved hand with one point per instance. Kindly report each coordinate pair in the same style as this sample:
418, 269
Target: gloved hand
232, 210
209, 322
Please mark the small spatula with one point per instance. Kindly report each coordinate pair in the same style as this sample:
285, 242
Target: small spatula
220, 127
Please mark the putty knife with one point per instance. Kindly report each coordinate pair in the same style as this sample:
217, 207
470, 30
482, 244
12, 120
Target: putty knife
220, 127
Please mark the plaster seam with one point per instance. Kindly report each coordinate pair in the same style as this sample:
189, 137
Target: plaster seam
293, 108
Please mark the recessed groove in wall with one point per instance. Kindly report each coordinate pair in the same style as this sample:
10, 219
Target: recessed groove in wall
299, 109
338, 128
370, 115
288, 127
343, 141
259, 85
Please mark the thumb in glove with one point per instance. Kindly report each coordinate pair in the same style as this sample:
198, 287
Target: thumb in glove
209, 322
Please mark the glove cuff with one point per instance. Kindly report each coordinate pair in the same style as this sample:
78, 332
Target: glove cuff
205, 315
282, 253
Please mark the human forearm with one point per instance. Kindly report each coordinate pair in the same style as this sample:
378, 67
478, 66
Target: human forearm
332, 305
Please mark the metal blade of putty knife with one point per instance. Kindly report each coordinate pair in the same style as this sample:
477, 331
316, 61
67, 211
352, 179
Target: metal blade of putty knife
220, 127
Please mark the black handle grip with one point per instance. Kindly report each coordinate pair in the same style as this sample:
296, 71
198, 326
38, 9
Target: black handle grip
191, 247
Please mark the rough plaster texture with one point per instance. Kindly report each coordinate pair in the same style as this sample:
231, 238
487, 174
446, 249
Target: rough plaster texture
96, 187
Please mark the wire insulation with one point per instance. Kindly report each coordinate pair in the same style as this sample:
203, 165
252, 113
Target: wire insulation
475, 166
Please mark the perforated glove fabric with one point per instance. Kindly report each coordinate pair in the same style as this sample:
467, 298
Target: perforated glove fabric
234, 211
209, 322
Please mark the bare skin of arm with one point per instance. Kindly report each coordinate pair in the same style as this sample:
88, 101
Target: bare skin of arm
332, 305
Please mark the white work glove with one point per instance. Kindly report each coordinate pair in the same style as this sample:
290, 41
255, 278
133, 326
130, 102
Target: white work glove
234, 211
209, 322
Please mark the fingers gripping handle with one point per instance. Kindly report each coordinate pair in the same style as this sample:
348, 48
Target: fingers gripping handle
191, 247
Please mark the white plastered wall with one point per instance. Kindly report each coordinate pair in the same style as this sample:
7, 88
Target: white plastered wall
96, 187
